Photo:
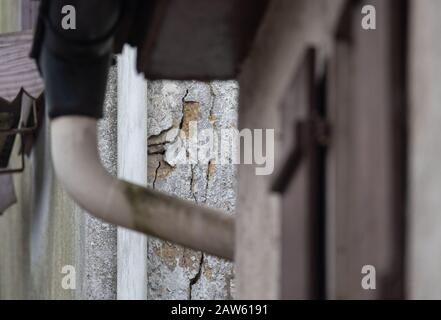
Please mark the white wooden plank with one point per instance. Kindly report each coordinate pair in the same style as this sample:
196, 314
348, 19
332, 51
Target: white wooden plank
132, 166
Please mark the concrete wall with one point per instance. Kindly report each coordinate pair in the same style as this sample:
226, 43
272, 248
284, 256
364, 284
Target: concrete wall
175, 272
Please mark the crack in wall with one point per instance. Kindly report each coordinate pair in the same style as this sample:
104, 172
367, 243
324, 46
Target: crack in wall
192, 191
157, 153
158, 136
192, 281
183, 109
207, 178
212, 119
211, 115
196, 278
156, 175
194, 264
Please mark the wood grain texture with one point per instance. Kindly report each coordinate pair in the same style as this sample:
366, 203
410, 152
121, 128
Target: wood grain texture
366, 174
300, 201
288, 29
424, 232
132, 167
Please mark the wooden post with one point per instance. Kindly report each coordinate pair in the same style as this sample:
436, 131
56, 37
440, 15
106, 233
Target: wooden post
424, 219
288, 29
132, 166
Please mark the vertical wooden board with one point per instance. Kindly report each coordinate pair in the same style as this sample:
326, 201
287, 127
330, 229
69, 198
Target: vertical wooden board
424, 219
299, 199
297, 271
288, 29
337, 183
363, 196
132, 160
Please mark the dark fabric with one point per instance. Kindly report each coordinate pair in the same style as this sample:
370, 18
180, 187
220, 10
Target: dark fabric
74, 63
131, 27
39, 33
134, 24
96, 24
74, 88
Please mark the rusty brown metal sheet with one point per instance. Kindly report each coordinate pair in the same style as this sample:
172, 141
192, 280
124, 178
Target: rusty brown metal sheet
199, 39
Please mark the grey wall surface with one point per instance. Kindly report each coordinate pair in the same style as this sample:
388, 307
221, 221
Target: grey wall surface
176, 272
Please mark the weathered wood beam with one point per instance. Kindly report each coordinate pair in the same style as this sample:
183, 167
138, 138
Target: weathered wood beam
287, 30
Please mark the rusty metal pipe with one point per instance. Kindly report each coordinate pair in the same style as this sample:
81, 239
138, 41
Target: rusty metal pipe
78, 167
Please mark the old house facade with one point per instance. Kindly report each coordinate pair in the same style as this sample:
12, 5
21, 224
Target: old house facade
355, 190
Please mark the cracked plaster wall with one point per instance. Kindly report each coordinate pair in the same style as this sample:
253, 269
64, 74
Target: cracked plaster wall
176, 272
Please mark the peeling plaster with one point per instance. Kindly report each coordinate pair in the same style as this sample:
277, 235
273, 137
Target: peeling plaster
176, 272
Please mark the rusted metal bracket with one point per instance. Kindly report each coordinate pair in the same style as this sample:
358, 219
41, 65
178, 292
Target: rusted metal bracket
308, 134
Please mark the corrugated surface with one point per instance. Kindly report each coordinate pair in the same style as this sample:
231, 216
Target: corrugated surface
17, 70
